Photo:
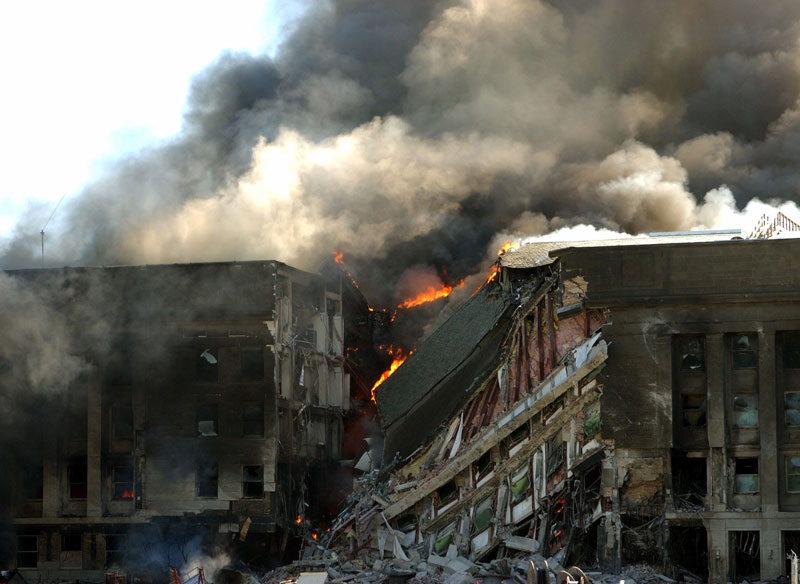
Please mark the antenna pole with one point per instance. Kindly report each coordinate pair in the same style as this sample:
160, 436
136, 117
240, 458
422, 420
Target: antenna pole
42, 247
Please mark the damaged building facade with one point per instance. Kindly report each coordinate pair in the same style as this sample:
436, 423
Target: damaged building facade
213, 410
604, 403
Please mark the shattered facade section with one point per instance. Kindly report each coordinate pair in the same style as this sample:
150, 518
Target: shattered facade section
217, 399
627, 402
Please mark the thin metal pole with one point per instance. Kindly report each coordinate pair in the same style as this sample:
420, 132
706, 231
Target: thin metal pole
42, 247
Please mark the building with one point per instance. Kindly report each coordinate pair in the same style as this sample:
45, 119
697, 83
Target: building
605, 403
210, 414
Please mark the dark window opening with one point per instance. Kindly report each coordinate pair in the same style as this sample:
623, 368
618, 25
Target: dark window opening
77, 480
33, 482
27, 551
207, 366
791, 349
746, 475
556, 454
71, 550
792, 474
744, 353
692, 351
253, 482
252, 364
122, 422
122, 483
207, 481
253, 419
791, 543
115, 550
483, 466
693, 410
518, 435
207, 420
688, 548
447, 493
746, 551
689, 482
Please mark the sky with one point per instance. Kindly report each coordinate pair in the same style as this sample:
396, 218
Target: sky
87, 81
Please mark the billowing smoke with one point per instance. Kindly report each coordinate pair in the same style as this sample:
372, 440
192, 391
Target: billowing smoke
416, 133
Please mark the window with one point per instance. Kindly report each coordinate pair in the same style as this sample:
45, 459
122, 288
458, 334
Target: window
122, 482
520, 484
693, 408
745, 410
77, 480
443, 540
791, 350
27, 551
556, 451
791, 408
207, 420
792, 474
207, 480
71, 550
483, 466
253, 419
253, 482
33, 482
482, 515
743, 351
115, 550
122, 422
746, 475
692, 352
592, 421
447, 493
207, 369
252, 364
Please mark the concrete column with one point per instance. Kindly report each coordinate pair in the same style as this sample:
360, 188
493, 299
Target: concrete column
715, 370
718, 553
94, 478
770, 545
767, 420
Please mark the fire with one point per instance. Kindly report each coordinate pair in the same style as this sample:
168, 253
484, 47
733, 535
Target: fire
315, 536
430, 294
127, 495
299, 520
399, 359
508, 246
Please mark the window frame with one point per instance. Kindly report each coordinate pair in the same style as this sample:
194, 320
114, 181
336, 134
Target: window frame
251, 481
207, 474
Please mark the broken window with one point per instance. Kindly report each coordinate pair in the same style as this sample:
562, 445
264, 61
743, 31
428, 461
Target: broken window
76, 472
252, 364
207, 420
207, 366
122, 482
792, 474
689, 481
447, 493
482, 515
744, 353
745, 410
443, 539
515, 440
791, 349
71, 550
253, 482
253, 419
483, 466
115, 550
207, 480
693, 408
746, 475
591, 420
33, 482
555, 453
692, 351
746, 555
27, 551
791, 408
520, 484
122, 422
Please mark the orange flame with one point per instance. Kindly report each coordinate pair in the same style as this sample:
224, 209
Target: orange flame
429, 295
127, 495
508, 246
315, 536
399, 359
299, 520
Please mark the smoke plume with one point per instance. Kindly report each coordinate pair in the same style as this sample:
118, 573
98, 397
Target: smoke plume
417, 133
